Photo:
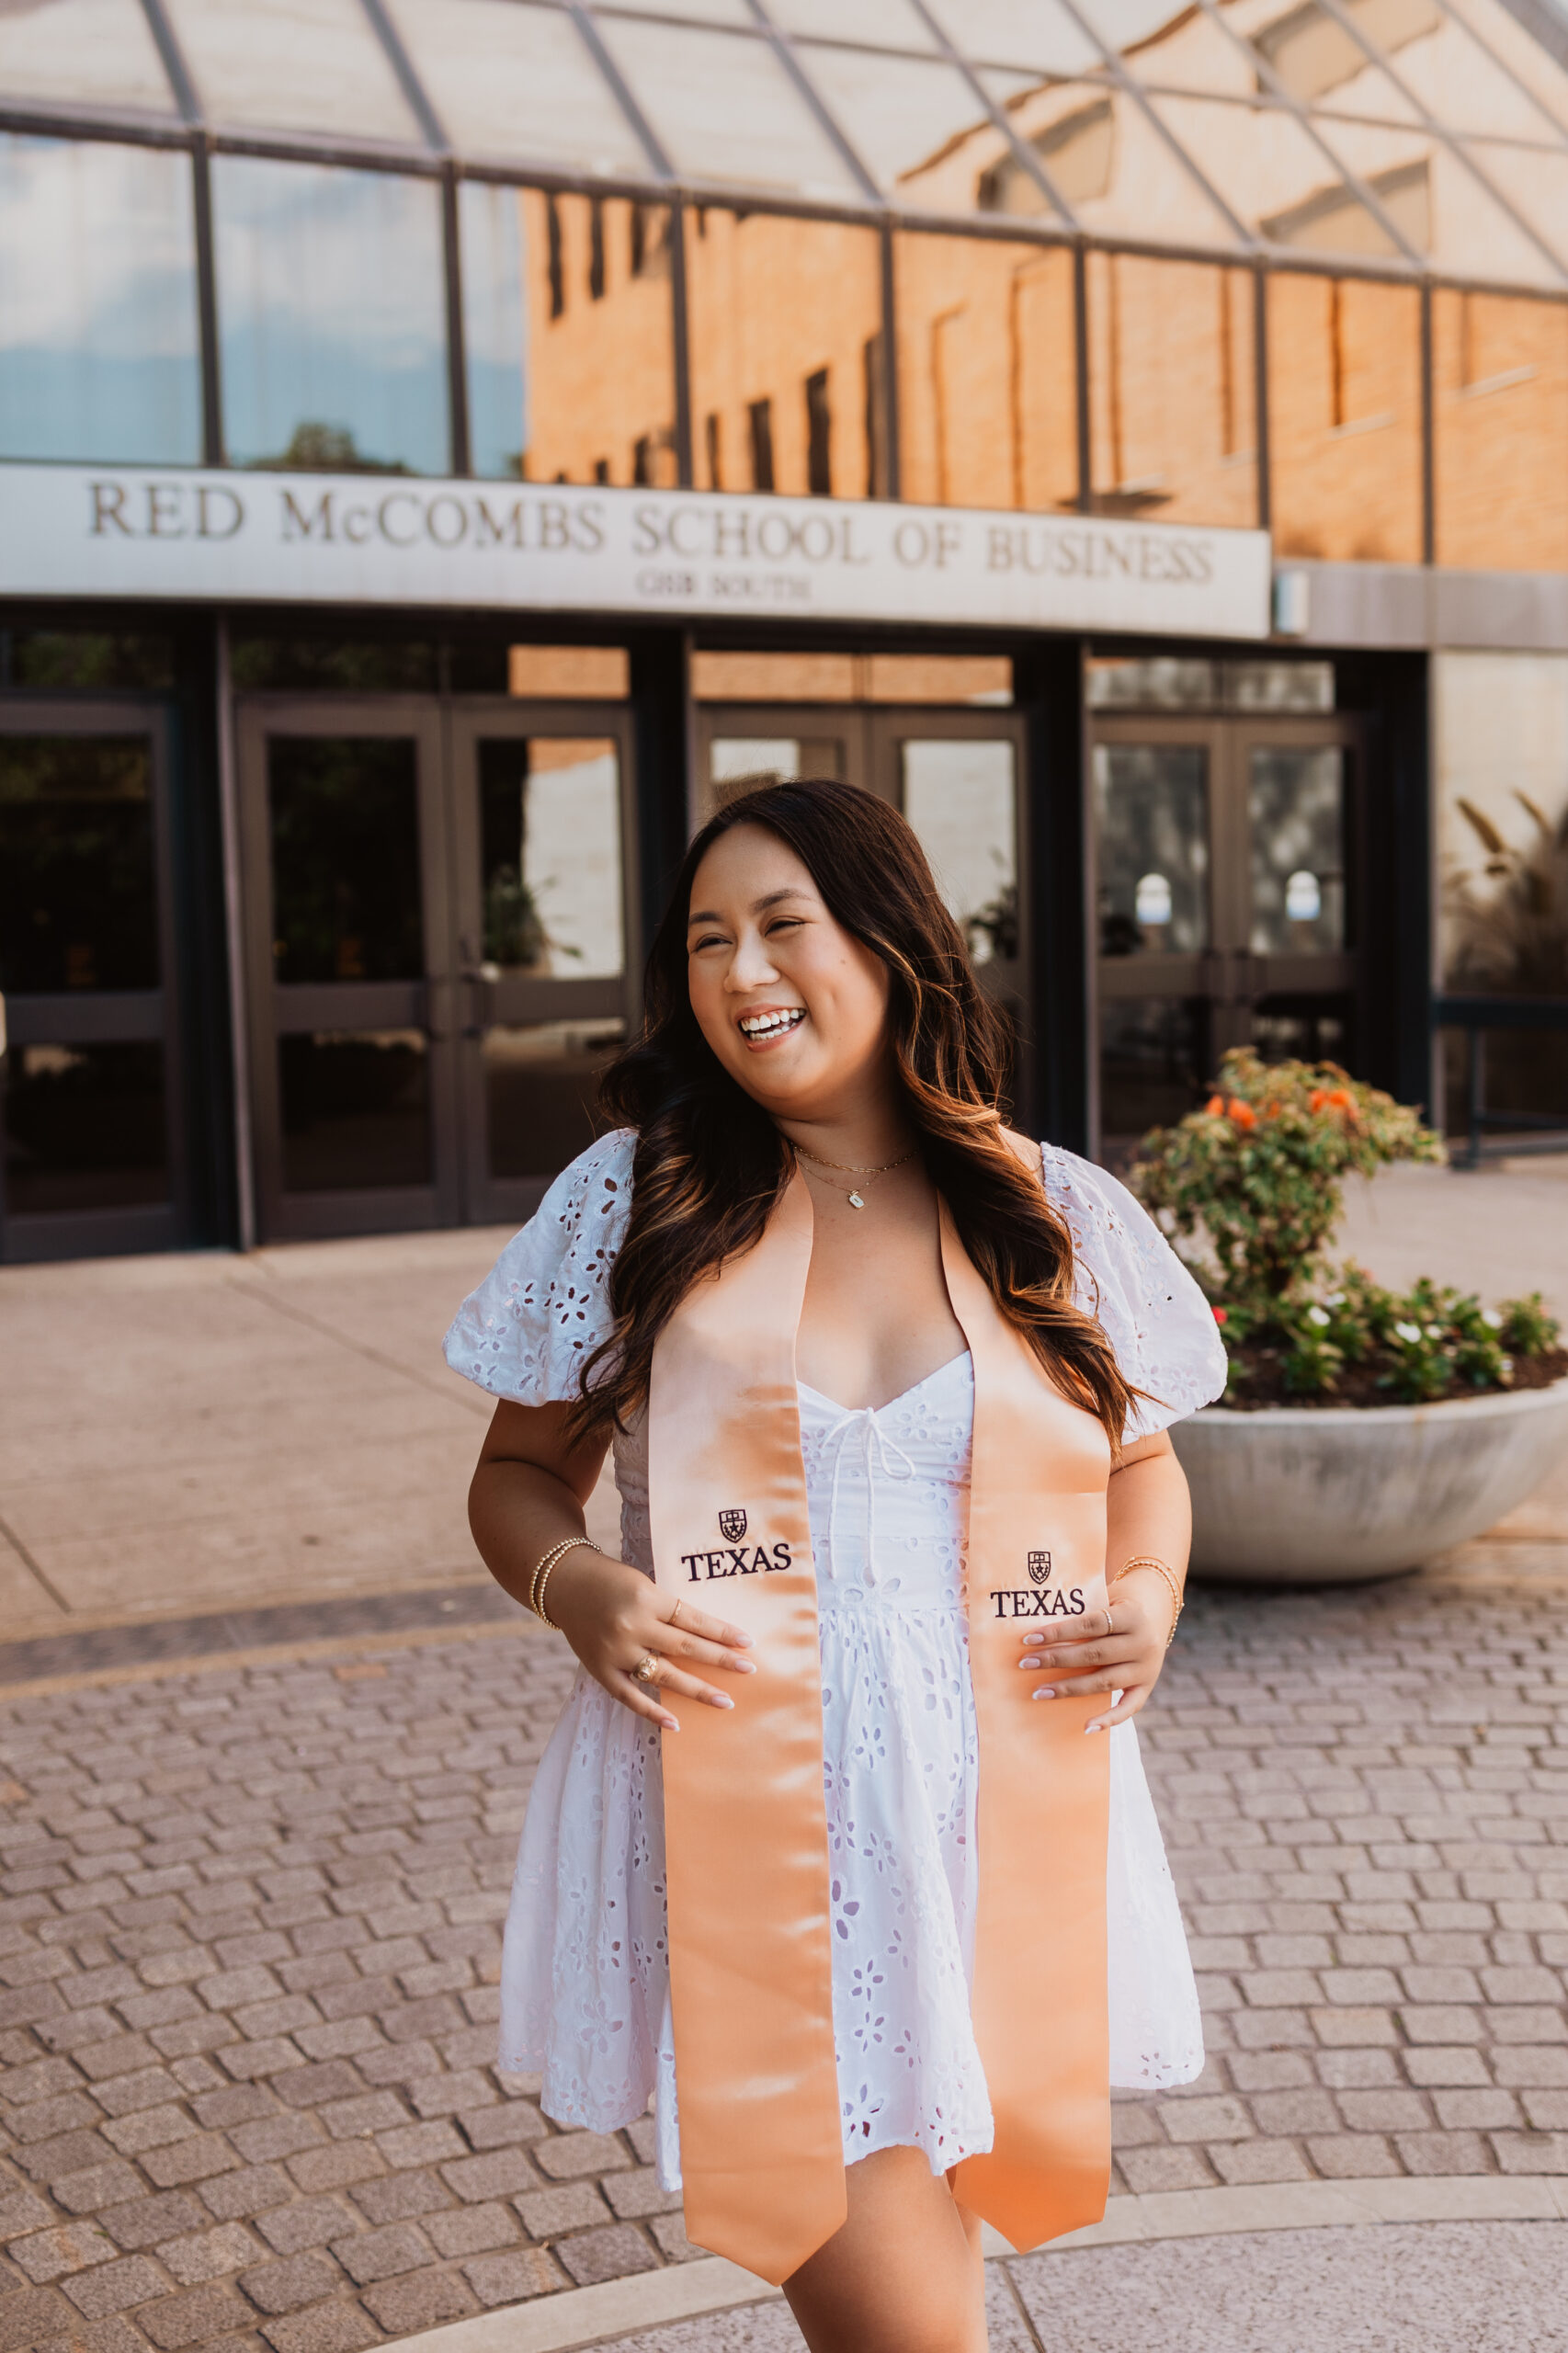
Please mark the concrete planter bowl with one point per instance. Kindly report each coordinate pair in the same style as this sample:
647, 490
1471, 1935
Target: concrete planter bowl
1332, 1494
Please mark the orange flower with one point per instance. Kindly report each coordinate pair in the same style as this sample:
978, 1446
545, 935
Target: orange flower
1214, 1107
1241, 1113
1333, 1098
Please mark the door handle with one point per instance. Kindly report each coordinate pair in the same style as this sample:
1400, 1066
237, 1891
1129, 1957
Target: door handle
482, 978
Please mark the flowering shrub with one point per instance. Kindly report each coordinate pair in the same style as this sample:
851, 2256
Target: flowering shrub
1257, 1176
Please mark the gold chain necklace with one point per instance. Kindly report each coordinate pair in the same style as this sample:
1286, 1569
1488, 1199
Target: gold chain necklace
853, 1169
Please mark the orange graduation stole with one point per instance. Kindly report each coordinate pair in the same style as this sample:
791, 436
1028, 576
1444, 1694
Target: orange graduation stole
746, 1832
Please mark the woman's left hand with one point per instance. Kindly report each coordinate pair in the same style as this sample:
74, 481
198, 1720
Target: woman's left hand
1120, 1648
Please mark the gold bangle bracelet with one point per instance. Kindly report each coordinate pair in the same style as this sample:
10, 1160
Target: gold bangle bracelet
1161, 1569
543, 1568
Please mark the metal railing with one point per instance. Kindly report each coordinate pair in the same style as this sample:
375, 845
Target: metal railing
1527, 1131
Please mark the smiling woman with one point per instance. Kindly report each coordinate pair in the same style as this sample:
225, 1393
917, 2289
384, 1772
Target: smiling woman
808, 1926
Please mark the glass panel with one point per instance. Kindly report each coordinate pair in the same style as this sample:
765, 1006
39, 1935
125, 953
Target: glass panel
1154, 1068
1274, 176
1316, 55
333, 666
292, 66
959, 795
345, 897
1152, 812
85, 1127
786, 331
78, 882
1174, 682
1442, 207
1502, 760
1173, 432
85, 657
976, 678
891, 24
332, 317
1191, 50
725, 109
716, 12
1536, 185
1109, 162
734, 760
541, 1093
1345, 418
517, 83
1302, 1028
987, 393
597, 673
1038, 33
915, 124
1506, 38
83, 53
1500, 388
356, 1109
1279, 686
600, 340
99, 347
1462, 86
490, 223
550, 820
1296, 813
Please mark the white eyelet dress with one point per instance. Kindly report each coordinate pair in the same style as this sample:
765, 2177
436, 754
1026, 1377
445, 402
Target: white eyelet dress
584, 1985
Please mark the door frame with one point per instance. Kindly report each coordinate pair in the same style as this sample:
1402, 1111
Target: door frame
106, 1017
1227, 977
467, 721
423, 1004
784, 722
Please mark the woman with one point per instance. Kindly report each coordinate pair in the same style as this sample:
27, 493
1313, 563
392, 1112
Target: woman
887, 1389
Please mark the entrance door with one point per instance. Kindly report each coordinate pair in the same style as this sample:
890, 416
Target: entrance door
89, 1095
547, 951
757, 742
350, 966
1224, 853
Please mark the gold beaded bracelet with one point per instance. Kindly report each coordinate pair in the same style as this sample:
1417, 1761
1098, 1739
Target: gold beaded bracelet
1147, 1561
541, 1574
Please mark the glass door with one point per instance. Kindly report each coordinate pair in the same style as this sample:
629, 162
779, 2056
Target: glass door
549, 963
349, 965
89, 1084
755, 744
1223, 855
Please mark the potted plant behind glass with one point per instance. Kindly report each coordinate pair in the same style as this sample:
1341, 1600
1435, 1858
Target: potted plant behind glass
1361, 1430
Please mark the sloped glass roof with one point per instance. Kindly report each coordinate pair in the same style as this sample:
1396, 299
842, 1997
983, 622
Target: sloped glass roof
1410, 134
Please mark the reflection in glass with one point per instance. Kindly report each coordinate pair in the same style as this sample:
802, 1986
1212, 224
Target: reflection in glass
786, 312
1345, 418
143, 661
1171, 391
914, 122
987, 388
725, 109
737, 762
517, 83
490, 224
1179, 682
1500, 421
345, 897
356, 1109
99, 349
1038, 33
78, 885
600, 338
959, 795
1502, 765
1102, 151
1296, 815
274, 65
1153, 1067
550, 814
1302, 1028
542, 1092
332, 317
1152, 811
86, 52
85, 1127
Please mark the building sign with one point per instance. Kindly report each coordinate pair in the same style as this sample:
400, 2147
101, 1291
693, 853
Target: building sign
387, 539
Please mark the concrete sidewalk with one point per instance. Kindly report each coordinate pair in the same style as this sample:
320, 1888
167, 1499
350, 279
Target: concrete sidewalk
194, 1434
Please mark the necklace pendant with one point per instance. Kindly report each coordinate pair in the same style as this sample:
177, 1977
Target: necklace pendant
856, 1202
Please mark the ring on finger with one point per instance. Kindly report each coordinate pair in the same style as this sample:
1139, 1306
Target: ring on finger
647, 1670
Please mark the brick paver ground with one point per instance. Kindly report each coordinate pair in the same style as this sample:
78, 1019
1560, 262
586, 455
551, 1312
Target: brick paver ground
250, 1929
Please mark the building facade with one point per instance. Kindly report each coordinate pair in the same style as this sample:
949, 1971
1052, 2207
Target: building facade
446, 444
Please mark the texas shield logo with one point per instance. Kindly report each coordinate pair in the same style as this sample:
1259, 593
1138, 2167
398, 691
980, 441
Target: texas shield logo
732, 1524
1040, 1567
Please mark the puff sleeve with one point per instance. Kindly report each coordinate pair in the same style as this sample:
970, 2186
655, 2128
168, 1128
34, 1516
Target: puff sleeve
1156, 1318
544, 1306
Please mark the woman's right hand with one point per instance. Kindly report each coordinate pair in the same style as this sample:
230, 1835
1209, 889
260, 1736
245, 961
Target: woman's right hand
613, 1616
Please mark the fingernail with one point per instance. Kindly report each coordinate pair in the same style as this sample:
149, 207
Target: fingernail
719, 1699
1046, 1694
745, 1666
1089, 1728
744, 1641
669, 1723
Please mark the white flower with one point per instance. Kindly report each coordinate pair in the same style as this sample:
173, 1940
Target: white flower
1433, 1331
1491, 1320
1408, 1333
1336, 1298
1320, 1316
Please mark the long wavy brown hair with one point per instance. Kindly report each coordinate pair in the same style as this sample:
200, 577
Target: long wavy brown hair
709, 1163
